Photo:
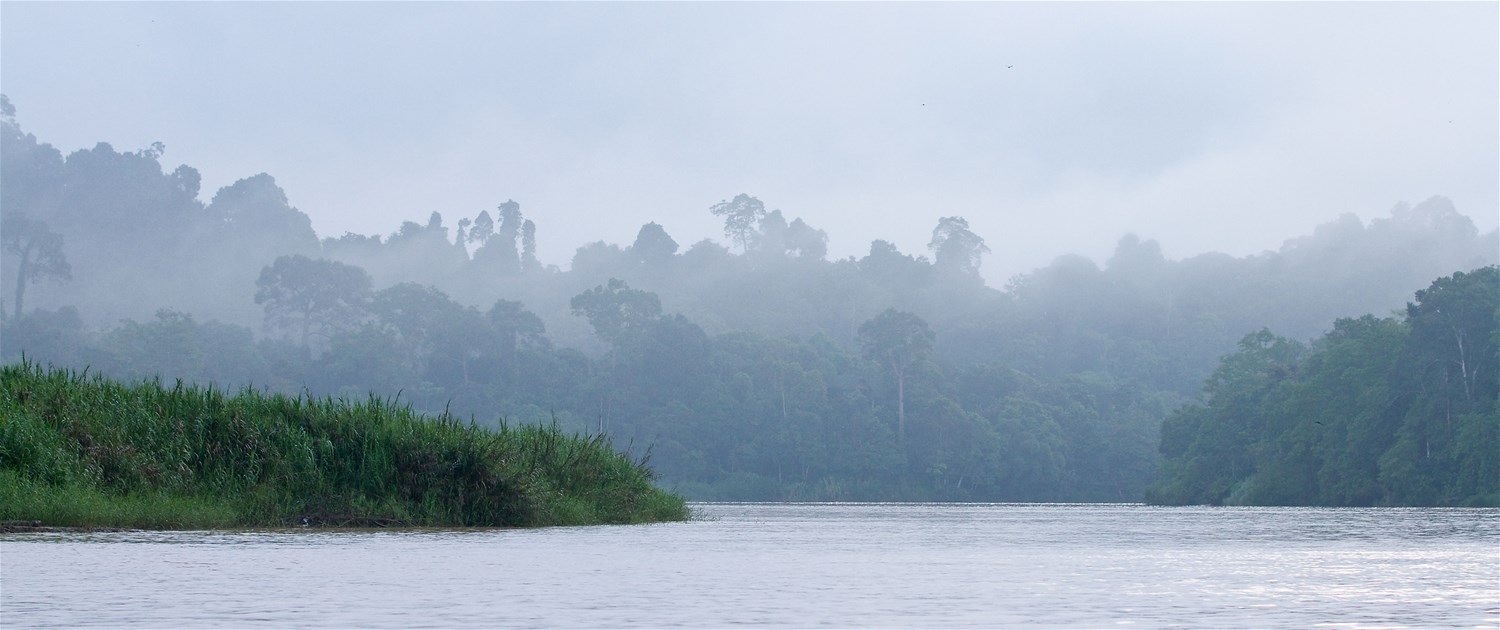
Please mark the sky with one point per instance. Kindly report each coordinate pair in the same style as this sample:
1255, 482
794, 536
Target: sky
1053, 128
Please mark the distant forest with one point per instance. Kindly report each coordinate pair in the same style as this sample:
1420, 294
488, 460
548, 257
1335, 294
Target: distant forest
756, 368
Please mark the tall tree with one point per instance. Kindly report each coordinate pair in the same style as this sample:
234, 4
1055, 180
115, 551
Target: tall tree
1446, 445
508, 232
771, 237
898, 340
31, 172
742, 216
256, 218
513, 323
311, 296
955, 248
619, 316
39, 253
461, 237
1453, 321
484, 228
887, 266
599, 260
529, 261
806, 242
616, 311
653, 246
417, 313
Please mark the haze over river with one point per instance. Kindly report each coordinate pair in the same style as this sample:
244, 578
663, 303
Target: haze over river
791, 565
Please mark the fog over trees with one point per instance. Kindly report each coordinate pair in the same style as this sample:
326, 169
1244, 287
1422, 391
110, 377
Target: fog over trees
758, 368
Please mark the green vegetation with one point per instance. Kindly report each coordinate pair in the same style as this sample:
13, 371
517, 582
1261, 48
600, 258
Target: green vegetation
86, 451
1380, 411
757, 369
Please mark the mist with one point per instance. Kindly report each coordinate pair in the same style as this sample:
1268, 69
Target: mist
954, 252
1051, 128
769, 314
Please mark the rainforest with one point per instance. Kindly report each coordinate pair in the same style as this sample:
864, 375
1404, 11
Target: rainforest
1354, 365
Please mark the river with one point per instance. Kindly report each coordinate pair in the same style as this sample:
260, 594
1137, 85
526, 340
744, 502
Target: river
838, 565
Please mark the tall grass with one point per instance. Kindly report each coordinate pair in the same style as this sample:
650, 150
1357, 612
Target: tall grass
80, 450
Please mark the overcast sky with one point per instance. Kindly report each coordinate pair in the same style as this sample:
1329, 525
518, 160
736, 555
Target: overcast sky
1053, 128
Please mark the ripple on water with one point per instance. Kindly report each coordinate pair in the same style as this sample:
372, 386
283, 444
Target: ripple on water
791, 565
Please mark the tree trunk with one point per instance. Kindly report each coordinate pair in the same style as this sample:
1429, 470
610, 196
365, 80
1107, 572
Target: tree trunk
1463, 363
781, 385
23, 269
900, 404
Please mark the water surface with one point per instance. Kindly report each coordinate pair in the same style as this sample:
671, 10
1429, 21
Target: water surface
799, 565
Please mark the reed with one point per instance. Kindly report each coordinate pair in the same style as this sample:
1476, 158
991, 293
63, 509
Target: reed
77, 450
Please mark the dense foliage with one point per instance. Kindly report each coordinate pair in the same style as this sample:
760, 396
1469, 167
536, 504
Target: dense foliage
1379, 411
758, 370
76, 450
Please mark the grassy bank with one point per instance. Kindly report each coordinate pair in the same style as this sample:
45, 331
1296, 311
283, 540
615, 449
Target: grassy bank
80, 450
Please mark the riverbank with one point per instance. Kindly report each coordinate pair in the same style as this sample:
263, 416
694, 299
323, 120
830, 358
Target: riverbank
84, 451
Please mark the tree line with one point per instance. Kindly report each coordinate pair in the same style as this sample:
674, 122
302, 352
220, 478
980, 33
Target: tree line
758, 370
1378, 411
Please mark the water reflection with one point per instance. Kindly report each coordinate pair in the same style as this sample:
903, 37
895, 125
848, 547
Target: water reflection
790, 565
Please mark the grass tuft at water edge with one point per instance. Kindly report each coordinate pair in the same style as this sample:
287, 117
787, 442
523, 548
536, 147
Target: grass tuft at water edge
85, 451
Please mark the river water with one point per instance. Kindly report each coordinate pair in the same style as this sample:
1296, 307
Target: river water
839, 565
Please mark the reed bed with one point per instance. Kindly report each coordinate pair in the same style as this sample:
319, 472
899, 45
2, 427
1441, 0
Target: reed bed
79, 450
